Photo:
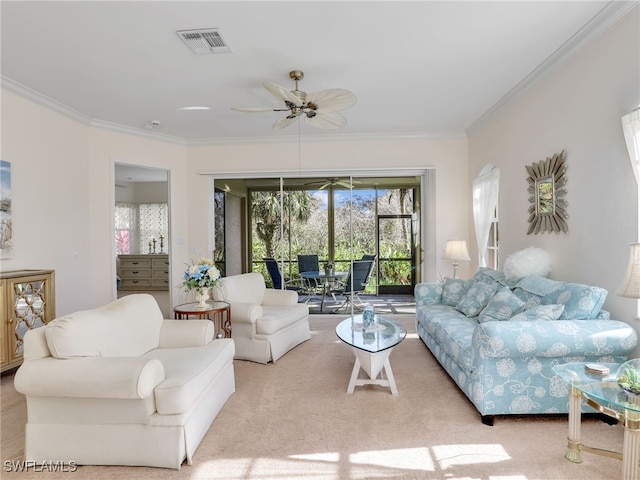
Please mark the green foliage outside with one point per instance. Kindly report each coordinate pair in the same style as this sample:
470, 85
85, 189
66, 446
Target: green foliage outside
305, 230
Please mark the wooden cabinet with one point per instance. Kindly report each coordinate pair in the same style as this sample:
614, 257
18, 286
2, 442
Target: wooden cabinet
144, 272
27, 300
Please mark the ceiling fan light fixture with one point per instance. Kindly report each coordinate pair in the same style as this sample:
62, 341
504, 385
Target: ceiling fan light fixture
318, 109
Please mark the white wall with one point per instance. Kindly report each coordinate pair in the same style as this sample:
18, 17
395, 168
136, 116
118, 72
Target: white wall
108, 148
576, 107
49, 155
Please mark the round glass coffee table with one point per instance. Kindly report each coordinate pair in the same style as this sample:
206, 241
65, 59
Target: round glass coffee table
218, 312
372, 347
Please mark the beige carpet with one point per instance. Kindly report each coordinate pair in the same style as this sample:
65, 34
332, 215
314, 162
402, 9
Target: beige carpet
293, 420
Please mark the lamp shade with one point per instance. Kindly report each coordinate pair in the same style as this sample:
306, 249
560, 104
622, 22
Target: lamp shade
456, 250
631, 285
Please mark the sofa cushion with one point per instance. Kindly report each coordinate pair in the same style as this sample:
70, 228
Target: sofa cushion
502, 306
530, 300
541, 312
581, 302
488, 275
454, 289
189, 372
276, 318
127, 327
430, 316
455, 336
476, 298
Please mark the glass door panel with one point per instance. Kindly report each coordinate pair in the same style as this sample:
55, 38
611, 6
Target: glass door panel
354, 226
396, 262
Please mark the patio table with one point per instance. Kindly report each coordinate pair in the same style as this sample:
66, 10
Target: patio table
325, 279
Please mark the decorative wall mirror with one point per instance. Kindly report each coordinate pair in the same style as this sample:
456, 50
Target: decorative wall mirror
547, 209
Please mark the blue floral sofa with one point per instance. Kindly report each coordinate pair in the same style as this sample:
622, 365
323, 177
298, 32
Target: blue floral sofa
498, 340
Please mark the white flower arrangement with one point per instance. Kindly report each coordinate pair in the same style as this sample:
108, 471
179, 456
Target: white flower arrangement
201, 276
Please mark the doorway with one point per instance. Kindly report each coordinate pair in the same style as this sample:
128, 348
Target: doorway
141, 233
396, 255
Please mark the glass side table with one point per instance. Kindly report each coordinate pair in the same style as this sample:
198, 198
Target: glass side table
602, 393
218, 312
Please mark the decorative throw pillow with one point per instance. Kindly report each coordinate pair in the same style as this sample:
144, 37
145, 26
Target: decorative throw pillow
502, 306
476, 298
454, 289
541, 312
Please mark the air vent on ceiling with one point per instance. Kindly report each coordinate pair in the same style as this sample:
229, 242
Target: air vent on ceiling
203, 41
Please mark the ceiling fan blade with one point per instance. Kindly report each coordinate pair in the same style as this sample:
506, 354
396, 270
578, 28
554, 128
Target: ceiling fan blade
284, 122
327, 121
253, 110
322, 187
282, 93
332, 100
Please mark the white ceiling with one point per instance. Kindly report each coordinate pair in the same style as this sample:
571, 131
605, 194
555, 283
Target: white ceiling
420, 67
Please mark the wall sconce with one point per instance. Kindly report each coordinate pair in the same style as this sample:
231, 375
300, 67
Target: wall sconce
456, 250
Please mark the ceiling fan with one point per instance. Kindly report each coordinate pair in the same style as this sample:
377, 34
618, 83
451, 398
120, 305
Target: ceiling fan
332, 182
318, 109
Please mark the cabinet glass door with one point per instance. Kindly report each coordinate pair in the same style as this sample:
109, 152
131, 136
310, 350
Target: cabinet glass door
29, 305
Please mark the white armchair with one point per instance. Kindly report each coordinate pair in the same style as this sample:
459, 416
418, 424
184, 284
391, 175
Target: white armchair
266, 323
119, 385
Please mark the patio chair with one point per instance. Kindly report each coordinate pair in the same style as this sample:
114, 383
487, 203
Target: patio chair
360, 274
310, 263
373, 258
273, 268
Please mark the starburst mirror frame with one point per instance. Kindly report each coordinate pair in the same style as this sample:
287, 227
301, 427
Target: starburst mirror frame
548, 206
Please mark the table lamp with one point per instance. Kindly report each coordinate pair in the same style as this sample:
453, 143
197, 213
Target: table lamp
631, 284
456, 250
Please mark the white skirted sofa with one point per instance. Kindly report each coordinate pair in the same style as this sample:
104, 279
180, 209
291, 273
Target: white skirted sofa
119, 385
266, 323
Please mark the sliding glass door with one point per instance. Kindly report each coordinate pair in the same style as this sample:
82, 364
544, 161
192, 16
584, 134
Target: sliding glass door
338, 219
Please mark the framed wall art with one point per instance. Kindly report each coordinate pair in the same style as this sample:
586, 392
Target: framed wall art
6, 222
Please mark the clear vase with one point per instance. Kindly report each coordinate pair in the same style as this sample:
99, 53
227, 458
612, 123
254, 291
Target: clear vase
202, 297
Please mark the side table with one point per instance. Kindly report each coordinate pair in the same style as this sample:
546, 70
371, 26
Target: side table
372, 348
604, 395
218, 312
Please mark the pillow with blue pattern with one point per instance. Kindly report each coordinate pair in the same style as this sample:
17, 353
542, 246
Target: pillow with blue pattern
541, 312
502, 306
454, 289
476, 298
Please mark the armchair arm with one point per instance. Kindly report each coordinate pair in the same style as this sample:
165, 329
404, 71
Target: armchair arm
245, 312
90, 377
553, 338
185, 333
278, 298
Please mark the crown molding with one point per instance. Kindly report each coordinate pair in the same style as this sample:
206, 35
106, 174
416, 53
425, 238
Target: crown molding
40, 99
604, 19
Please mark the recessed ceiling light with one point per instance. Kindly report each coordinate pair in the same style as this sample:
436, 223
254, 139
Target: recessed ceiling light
195, 108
